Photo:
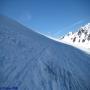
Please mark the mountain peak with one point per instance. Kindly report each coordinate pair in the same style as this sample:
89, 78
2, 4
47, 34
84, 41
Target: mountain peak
86, 27
80, 37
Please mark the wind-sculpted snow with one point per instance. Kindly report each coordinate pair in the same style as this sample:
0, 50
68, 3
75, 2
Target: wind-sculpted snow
30, 61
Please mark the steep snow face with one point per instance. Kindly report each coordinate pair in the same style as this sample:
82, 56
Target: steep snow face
80, 38
30, 61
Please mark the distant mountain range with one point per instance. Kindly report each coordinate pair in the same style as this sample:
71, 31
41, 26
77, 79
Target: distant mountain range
79, 38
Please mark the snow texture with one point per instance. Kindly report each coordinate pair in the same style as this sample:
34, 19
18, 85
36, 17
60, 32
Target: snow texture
31, 61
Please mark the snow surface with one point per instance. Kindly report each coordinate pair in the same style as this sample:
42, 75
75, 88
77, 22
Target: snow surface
31, 61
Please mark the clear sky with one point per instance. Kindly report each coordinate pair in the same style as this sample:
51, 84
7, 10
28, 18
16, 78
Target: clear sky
50, 17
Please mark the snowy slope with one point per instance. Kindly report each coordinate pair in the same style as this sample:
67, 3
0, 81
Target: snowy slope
79, 38
31, 61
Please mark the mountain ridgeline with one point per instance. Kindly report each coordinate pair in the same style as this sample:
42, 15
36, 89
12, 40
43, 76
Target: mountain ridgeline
80, 38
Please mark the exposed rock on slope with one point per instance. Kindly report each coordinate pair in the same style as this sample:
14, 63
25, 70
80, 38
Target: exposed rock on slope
79, 38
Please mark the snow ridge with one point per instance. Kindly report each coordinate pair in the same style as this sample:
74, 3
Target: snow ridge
80, 38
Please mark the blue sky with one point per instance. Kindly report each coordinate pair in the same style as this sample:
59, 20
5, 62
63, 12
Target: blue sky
50, 17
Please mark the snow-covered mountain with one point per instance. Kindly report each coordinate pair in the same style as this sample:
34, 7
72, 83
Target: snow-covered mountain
80, 38
31, 61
